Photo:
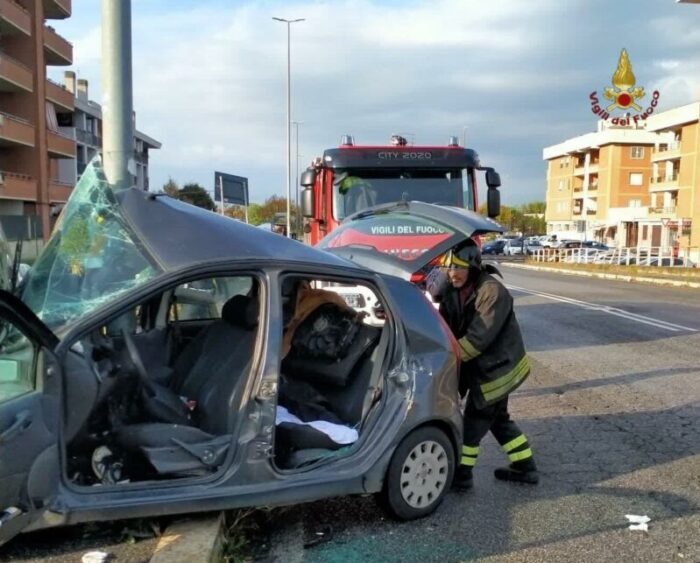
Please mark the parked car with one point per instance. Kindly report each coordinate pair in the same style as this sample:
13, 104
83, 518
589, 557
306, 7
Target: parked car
513, 247
146, 368
494, 247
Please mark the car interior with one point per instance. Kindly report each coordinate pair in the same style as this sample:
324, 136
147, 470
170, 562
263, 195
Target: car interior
331, 372
153, 395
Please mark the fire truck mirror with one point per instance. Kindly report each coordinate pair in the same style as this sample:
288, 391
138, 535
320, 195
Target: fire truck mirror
493, 178
307, 203
307, 178
493, 202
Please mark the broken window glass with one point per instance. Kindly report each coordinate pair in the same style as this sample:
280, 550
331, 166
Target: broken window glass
92, 257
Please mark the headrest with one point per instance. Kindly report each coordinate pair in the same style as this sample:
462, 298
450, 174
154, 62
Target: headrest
241, 311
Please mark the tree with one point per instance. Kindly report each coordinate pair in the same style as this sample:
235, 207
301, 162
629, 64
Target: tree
171, 188
196, 195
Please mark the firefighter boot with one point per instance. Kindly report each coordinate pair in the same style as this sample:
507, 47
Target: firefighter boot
524, 471
464, 479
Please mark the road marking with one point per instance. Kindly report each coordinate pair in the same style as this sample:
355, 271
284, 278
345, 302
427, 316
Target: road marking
607, 309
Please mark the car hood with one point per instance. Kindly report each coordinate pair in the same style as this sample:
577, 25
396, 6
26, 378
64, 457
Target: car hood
405, 237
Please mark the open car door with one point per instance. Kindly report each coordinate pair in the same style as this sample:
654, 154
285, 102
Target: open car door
403, 239
30, 385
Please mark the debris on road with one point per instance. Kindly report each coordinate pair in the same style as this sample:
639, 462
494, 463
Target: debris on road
638, 523
96, 557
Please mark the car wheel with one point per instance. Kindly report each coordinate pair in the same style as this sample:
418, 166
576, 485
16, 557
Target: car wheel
419, 475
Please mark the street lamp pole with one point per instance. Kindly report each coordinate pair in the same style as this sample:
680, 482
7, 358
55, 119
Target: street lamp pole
296, 181
289, 119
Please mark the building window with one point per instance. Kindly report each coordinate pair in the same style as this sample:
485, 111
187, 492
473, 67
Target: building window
637, 152
636, 179
635, 203
645, 232
561, 185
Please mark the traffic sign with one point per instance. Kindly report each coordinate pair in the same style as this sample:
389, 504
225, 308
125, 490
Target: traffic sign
235, 188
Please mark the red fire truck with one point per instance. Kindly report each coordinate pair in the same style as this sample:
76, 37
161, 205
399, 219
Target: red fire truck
351, 178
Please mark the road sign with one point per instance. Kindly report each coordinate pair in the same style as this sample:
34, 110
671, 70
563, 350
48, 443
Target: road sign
235, 189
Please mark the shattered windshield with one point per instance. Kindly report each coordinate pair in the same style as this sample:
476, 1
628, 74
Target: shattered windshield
355, 190
91, 258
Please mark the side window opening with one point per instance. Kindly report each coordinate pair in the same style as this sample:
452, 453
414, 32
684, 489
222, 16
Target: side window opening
18, 356
163, 383
335, 341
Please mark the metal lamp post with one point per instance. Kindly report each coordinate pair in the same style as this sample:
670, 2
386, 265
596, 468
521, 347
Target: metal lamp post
117, 93
296, 181
289, 119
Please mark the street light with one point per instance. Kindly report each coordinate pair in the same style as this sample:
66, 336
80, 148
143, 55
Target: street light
296, 181
289, 119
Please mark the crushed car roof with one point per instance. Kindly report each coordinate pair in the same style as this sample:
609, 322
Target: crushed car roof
179, 235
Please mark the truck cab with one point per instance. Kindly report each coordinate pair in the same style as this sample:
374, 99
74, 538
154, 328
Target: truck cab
352, 178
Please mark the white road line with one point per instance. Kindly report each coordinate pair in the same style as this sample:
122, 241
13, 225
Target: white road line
607, 309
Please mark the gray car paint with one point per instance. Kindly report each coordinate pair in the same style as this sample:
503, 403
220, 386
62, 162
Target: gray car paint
420, 387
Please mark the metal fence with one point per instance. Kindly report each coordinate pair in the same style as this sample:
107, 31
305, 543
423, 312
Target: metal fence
649, 256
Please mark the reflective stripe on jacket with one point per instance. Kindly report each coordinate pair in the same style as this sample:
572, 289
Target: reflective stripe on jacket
493, 353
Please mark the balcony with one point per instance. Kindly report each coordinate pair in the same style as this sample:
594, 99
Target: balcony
671, 151
60, 97
663, 183
57, 50
14, 19
17, 186
88, 138
668, 212
57, 9
15, 131
14, 75
59, 145
59, 192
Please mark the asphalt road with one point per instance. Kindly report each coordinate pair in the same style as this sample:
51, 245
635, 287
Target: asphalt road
613, 411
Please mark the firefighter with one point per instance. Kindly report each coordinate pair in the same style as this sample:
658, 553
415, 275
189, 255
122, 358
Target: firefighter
479, 311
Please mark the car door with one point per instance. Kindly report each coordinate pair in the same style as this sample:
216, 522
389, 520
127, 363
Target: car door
30, 386
405, 238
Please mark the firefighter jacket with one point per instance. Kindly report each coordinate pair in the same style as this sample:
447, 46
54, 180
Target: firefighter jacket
494, 361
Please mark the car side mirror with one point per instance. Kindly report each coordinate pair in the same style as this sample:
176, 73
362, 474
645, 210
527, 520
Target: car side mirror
307, 202
493, 202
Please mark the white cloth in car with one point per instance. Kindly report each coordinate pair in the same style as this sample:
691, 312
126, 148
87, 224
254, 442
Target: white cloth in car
339, 433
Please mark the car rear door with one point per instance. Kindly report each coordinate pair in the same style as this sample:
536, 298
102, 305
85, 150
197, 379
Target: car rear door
30, 393
404, 238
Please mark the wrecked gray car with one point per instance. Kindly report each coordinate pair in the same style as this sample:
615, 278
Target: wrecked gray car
162, 359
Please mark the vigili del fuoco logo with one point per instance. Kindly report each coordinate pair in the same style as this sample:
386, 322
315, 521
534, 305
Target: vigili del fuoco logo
625, 95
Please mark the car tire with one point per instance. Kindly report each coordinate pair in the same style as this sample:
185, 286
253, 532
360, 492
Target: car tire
419, 475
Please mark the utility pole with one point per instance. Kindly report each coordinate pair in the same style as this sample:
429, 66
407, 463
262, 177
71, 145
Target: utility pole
117, 94
289, 119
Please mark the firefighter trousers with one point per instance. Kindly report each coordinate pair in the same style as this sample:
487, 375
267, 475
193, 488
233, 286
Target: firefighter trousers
496, 419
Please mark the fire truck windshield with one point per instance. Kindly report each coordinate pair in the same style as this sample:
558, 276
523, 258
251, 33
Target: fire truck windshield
358, 189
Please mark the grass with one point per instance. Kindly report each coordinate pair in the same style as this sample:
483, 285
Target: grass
245, 532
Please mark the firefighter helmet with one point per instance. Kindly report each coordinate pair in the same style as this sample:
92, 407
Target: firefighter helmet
467, 255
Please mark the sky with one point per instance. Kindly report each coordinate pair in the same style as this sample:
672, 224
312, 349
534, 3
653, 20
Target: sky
514, 76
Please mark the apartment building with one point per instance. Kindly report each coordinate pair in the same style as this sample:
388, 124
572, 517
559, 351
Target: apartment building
598, 183
85, 125
675, 187
32, 145
630, 186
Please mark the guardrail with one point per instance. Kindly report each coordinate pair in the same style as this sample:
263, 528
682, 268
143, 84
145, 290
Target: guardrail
647, 256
